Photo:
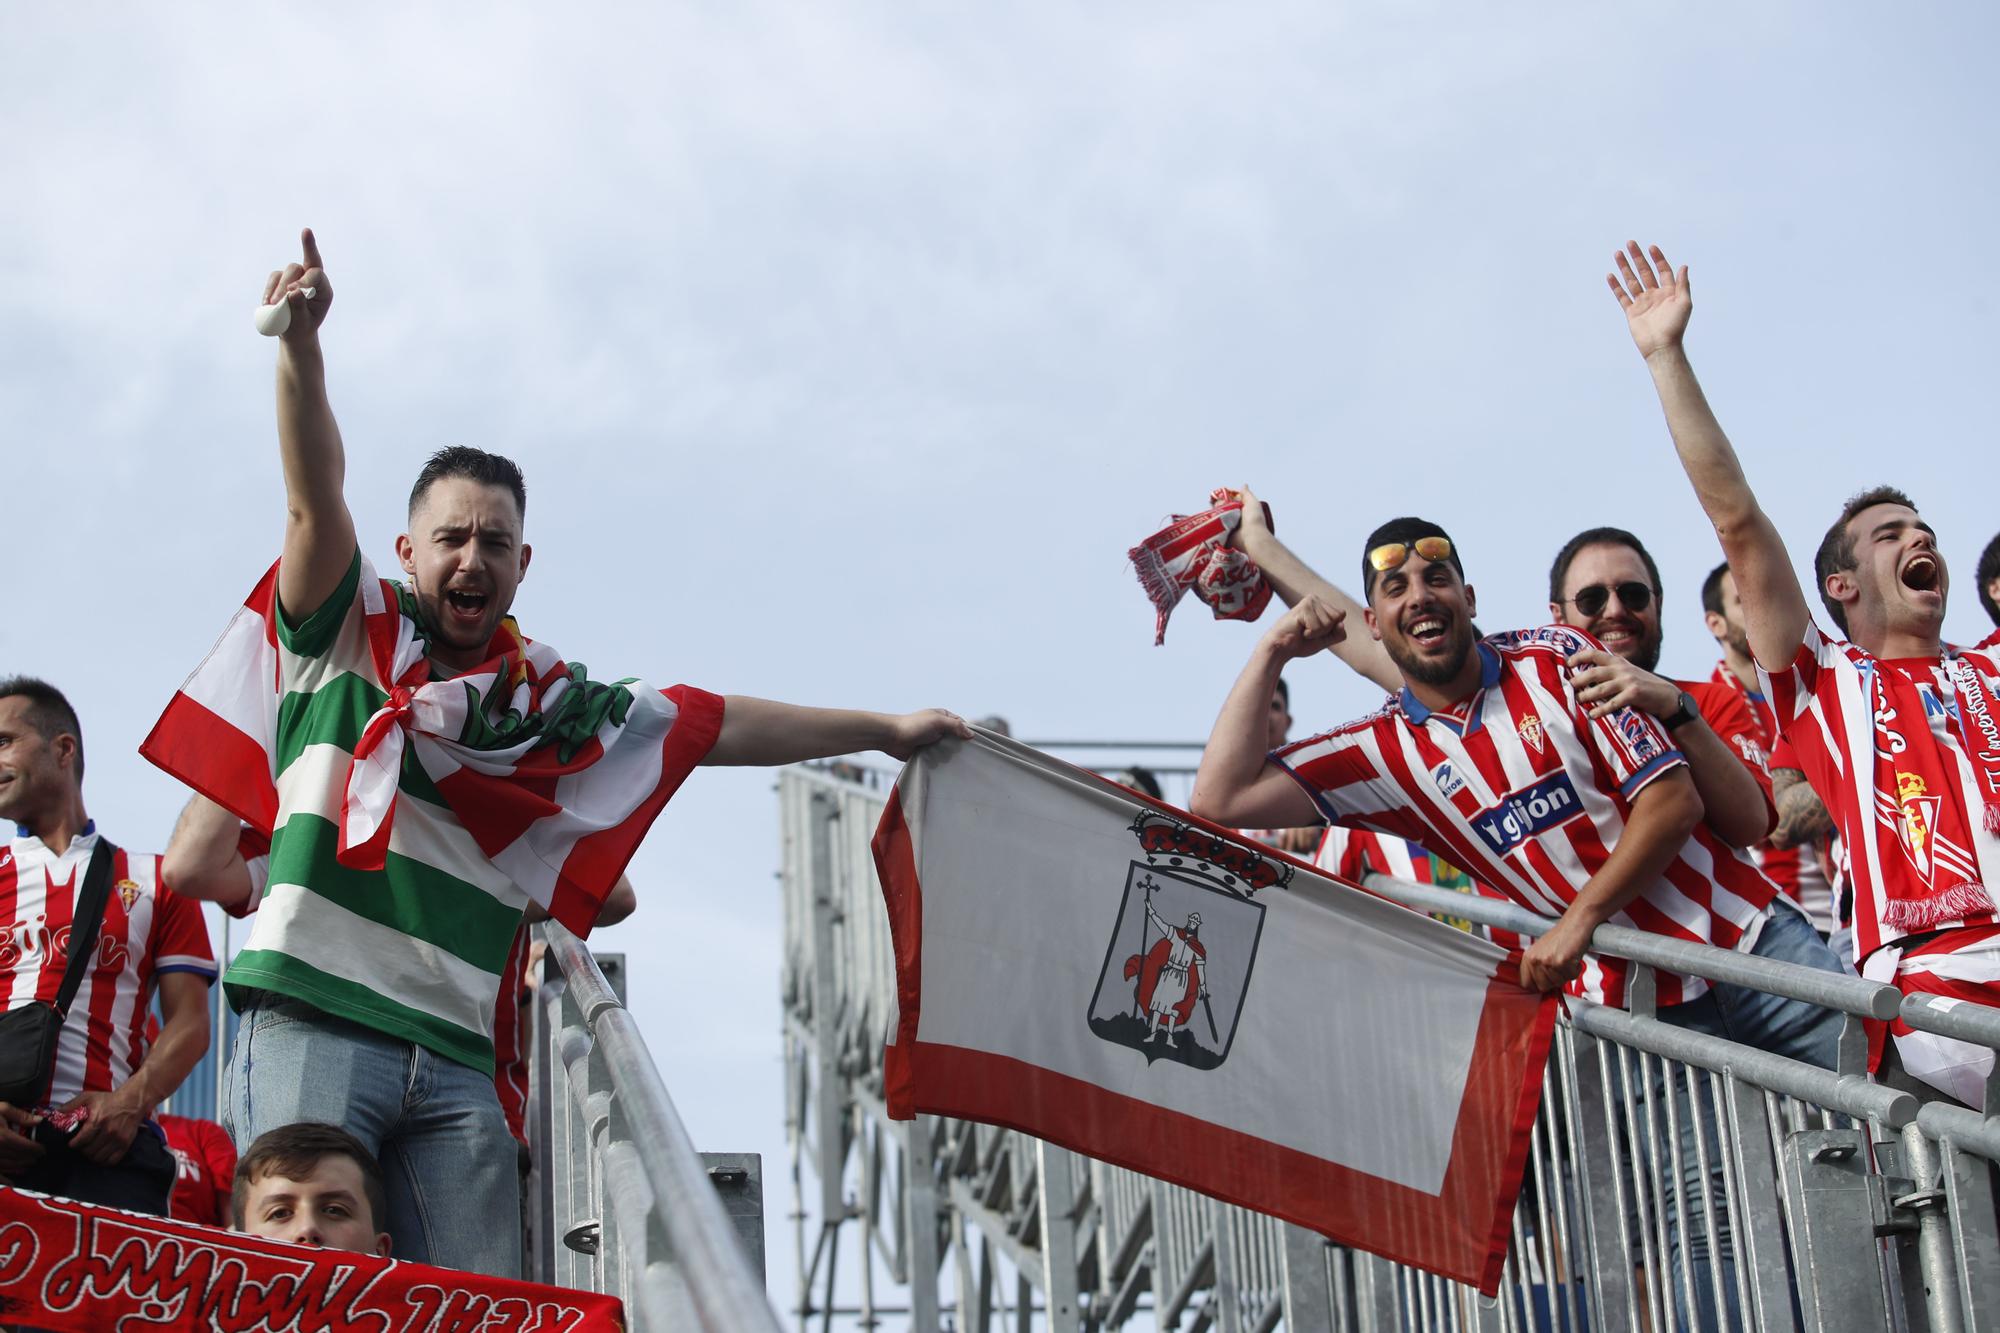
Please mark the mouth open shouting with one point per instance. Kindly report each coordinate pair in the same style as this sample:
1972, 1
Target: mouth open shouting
462, 614
1924, 573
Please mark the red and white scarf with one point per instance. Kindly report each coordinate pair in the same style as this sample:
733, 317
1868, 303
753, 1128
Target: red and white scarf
1192, 553
1917, 785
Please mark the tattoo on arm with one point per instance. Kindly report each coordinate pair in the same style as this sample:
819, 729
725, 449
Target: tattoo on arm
1802, 817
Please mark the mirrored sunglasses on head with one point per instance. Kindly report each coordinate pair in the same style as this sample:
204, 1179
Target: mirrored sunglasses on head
1393, 555
1593, 599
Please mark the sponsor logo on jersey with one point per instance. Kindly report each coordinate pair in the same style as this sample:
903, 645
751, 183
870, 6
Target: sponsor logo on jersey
1449, 783
1533, 810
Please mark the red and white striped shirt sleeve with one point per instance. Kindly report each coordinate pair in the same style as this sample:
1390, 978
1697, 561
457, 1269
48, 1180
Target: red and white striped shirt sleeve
1632, 745
1791, 690
180, 936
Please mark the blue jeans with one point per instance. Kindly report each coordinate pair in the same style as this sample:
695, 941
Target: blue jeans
449, 1165
1791, 1028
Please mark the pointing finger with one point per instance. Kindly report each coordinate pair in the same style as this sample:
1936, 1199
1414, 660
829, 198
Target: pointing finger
311, 248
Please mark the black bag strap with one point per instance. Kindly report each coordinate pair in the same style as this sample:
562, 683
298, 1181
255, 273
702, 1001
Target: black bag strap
85, 920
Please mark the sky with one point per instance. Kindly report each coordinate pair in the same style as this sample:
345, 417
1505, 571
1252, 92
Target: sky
847, 348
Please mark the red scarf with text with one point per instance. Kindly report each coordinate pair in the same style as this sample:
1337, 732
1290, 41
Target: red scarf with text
72, 1268
1192, 553
1917, 796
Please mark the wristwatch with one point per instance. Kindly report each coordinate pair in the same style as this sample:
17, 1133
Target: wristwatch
1684, 713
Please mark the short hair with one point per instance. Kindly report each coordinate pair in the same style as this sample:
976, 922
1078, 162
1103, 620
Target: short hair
1406, 529
1566, 557
1836, 549
1142, 779
1989, 570
49, 713
292, 1151
462, 460
1285, 693
1711, 589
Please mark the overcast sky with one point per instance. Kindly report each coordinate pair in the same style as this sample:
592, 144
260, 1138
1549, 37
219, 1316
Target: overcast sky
847, 347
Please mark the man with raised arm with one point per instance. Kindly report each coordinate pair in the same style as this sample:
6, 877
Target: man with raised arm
425, 772
1897, 730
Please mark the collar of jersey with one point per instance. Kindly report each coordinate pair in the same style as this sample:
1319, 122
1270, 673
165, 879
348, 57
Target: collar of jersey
1489, 676
89, 827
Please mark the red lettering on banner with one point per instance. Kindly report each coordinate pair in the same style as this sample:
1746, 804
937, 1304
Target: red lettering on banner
66, 1266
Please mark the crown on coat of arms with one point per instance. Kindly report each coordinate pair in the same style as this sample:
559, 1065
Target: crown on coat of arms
1226, 864
1909, 785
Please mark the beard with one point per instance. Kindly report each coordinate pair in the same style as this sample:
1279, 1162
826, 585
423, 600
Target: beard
1437, 671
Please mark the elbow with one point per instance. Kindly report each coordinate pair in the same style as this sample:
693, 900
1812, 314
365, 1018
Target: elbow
1206, 802
1684, 814
188, 872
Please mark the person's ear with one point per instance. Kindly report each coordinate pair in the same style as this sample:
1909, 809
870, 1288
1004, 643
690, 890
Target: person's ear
406, 554
1717, 626
1471, 602
527, 554
1368, 618
383, 1245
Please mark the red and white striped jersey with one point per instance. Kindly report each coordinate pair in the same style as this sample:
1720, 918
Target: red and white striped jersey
1825, 707
147, 931
1795, 870
1525, 793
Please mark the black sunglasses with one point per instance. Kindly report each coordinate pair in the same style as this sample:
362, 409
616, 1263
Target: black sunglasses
1592, 600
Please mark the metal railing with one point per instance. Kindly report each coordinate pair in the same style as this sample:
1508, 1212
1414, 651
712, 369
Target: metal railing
1813, 1198
619, 1200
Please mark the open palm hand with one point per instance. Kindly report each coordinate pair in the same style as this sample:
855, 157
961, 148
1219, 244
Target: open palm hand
1657, 301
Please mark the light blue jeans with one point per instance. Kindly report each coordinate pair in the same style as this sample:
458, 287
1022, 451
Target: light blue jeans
450, 1168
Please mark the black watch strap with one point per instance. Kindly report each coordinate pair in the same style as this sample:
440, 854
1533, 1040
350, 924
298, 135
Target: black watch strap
1684, 713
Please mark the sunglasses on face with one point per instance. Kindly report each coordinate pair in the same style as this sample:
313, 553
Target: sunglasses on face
1393, 555
1592, 600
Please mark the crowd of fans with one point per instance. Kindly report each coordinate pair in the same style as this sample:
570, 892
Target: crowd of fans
1827, 803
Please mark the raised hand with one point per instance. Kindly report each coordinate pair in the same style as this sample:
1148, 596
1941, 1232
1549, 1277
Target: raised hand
1310, 627
913, 731
290, 284
1605, 682
1254, 523
1657, 301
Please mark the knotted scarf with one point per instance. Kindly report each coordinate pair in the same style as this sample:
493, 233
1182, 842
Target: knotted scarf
1192, 554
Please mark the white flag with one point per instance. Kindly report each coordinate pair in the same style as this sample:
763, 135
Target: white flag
1111, 974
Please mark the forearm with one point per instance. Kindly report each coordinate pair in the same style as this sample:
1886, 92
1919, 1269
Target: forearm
182, 1041
1774, 608
1294, 580
319, 532
1732, 799
1802, 816
763, 731
201, 860
1662, 817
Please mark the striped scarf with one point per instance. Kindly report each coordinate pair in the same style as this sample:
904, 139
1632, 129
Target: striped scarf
1917, 797
1192, 554
555, 776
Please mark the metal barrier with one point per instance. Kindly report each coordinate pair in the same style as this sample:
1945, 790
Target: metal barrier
1814, 1198
619, 1200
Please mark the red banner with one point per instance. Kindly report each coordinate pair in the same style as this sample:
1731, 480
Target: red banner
69, 1266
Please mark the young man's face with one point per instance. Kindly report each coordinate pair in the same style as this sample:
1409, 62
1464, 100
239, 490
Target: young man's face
465, 559
1422, 612
1277, 721
328, 1208
1728, 628
1899, 581
33, 776
1632, 634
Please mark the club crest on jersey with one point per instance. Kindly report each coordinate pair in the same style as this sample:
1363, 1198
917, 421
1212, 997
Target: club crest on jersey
1916, 824
1178, 965
1530, 731
128, 893
1449, 783
1533, 810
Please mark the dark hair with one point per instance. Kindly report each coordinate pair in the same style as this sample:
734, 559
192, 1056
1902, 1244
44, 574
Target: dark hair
1989, 570
1836, 549
1406, 529
1285, 693
48, 712
462, 460
1142, 779
1711, 589
292, 1151
1566, 557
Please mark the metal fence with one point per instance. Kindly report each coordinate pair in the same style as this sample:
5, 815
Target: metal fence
1812, 1198
619, 1200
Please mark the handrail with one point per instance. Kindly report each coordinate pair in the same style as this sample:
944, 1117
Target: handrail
670, 1185
1852, 995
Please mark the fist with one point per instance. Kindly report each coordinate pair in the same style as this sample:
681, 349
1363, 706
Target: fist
290, 283
1310, 627
913, 731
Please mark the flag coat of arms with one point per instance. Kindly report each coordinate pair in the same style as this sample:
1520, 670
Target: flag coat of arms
1110, 974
